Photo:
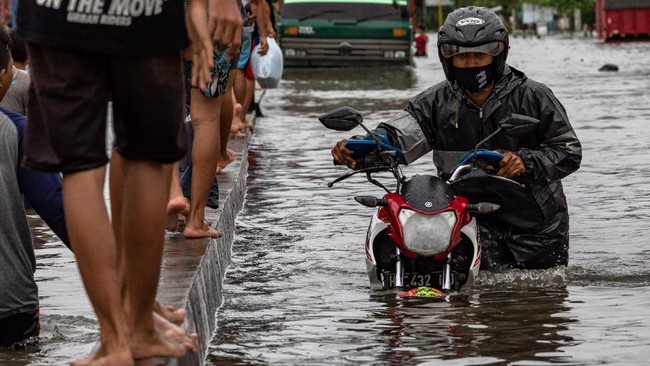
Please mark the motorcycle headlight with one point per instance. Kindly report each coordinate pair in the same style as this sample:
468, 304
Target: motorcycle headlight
427, 234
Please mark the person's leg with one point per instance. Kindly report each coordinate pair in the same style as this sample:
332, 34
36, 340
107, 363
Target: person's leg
226, 155
237, 127
177, 203
117, 181
56, 119
205, 113
144, 214
248, 97
249, 80
97, 259
239, 88
148, 139
239, 85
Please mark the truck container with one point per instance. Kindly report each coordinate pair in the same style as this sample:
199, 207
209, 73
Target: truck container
623, 20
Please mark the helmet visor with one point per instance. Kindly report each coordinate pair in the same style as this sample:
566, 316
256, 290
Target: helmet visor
492, 48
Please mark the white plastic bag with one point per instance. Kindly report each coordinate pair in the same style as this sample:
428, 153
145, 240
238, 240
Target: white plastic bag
267, 69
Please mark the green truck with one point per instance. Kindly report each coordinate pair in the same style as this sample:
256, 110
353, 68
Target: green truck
346, 32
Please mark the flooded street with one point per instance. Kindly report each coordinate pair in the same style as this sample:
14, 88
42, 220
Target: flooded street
297, 293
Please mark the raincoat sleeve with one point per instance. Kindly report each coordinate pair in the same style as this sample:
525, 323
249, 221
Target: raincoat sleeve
559, 152
405, 129
42, 190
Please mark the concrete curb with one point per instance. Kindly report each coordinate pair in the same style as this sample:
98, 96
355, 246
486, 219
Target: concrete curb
193, 269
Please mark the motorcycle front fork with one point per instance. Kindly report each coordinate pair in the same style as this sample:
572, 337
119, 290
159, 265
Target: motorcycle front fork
399, 271
446, 273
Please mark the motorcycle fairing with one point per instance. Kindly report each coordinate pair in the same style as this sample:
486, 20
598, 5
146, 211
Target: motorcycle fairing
374, 229
427, 193
471, 232
376, 226
377, 233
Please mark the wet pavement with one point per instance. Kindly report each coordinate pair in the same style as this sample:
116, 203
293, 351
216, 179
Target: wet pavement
193, 269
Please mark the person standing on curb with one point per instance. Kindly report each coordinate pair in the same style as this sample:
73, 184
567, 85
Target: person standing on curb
82, 56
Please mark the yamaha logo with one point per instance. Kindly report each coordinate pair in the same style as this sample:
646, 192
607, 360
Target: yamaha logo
428, 204
470, 21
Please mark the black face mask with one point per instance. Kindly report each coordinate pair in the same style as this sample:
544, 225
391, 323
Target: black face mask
474, 79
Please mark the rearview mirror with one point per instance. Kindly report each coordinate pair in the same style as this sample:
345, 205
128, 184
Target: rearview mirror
518, 125
341, 119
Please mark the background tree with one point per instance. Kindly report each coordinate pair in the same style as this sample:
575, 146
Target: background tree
563, 7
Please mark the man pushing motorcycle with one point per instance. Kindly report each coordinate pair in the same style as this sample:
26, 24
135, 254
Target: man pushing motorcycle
451, 117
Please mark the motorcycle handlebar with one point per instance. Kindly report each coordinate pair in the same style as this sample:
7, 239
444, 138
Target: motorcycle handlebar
381, 159
373, 169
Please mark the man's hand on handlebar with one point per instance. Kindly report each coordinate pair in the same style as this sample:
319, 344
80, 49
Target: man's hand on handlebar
342, 155
511, 165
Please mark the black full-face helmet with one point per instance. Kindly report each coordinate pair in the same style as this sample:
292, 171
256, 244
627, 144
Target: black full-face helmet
472, 29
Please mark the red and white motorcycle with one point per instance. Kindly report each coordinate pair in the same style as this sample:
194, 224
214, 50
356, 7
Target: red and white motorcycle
423, 239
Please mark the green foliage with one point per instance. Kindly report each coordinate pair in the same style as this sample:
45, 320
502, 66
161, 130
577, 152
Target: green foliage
563, 6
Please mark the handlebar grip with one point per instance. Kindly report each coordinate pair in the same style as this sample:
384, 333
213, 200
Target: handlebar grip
367, 161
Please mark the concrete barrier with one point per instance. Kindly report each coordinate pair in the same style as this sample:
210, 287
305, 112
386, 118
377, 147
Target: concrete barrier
193, 269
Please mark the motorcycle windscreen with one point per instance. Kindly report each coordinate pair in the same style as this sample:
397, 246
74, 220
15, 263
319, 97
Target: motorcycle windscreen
518, 206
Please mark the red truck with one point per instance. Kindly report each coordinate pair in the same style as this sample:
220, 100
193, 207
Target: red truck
623, 20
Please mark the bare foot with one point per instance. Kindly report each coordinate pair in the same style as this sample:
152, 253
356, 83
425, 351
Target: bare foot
248, 125
152, 361
205, 231
176, 206
237, 126
172, 314
101, 357
236, 110
225, 160
157, 343
238, 134
175, 332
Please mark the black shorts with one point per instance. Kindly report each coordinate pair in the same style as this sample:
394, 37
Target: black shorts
68, 102
18, 328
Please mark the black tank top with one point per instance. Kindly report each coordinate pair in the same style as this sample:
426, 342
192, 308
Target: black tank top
132, 28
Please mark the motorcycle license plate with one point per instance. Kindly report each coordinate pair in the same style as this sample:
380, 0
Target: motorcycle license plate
417, 280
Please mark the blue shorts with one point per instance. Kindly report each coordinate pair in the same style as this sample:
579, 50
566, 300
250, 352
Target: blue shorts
245, 52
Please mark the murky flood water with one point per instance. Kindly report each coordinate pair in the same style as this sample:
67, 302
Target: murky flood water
297, 292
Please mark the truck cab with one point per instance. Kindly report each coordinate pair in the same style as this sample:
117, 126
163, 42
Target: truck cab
345, 33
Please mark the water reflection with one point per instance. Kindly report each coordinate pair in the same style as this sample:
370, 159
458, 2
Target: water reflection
496, 324
344, 79
310, 90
